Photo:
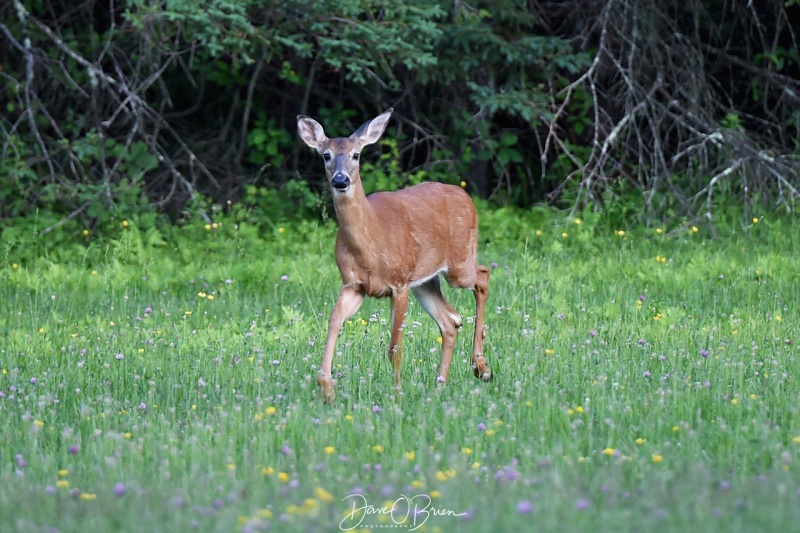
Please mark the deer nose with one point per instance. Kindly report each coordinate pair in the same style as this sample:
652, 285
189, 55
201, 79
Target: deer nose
340, 181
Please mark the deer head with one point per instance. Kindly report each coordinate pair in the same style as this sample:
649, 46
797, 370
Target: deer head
342, 154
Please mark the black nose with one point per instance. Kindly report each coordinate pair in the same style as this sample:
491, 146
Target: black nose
340, 182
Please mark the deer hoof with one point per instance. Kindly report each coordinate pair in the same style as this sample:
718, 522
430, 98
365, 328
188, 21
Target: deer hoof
325, 384
481, 369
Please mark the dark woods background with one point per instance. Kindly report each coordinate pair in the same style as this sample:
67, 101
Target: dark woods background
641, 108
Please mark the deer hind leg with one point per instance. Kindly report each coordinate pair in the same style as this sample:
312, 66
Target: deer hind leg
349, 301
481, 290
430, 297
399, 308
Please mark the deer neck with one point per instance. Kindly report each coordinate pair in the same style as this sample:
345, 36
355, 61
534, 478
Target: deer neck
356, 217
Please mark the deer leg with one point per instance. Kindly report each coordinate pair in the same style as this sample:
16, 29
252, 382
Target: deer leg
399, 307
481, 290
430, 297
349, 301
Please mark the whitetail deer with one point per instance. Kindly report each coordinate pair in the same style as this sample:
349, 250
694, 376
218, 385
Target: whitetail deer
390, 242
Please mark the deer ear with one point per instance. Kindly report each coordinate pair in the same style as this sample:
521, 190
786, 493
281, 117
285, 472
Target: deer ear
372, 130
311, 132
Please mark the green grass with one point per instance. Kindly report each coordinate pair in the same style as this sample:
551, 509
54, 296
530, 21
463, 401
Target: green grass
631, 394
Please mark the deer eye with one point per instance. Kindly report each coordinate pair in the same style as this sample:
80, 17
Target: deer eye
326, 157
355, 156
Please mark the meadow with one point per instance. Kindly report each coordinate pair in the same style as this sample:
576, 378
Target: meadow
645, 380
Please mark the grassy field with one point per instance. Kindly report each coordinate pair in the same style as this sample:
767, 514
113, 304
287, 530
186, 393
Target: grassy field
645, 380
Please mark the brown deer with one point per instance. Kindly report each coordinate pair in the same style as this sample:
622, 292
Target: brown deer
390, 242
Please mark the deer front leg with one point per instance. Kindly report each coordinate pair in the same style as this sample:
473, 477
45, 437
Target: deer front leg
399, 307
349, 301
479, 366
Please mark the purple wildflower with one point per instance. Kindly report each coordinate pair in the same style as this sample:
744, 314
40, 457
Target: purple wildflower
647, 373
142, 406
494, 265
73, 450
33, 381
724, 485
286, 450
284, 278
524, 507
593, 333
581, 504
218, 503
119, 490
376, 409
148, 310
440, 379
704, 352
481, 427
642, 297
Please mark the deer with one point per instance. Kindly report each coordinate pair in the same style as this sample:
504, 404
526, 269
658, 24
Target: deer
390, 243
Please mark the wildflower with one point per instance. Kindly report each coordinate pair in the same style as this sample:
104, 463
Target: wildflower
548, 351
609, 451
564, 235
376, 409
656, 458
538, 233
466, 451
125, 224
63, 472
735, 401
87, 496
270, 410
377, 448
286, 450
268, 471
659, 231
417, 484
38, 423
581, 504
323, 495
621, 232
33, 381
579, 409
755, 220
284, 278
283, 476
330, 450
647, 373
639, 441
62, 484
119, 489
704, 352
578, 221
281, 230
14, 266
463, 183
796, 440
435, 494
142, 406
440, 379
439, 339
524, 507
73, 450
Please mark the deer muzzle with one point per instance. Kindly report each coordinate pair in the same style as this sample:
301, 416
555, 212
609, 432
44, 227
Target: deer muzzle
340, 181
